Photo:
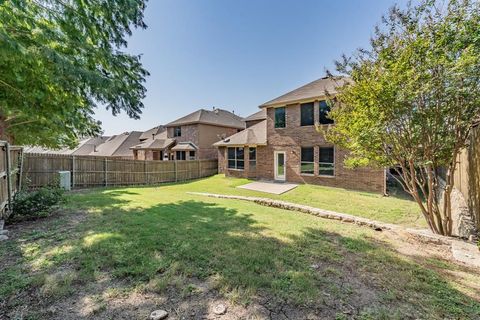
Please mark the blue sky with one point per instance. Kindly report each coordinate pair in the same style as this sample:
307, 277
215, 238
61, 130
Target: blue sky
238, 54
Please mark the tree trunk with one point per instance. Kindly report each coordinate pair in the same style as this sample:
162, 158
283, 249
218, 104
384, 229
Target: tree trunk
3, 130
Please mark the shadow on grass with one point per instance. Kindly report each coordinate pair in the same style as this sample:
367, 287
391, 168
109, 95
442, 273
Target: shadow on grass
168, 248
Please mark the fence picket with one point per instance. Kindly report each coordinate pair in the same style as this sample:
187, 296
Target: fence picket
89, 171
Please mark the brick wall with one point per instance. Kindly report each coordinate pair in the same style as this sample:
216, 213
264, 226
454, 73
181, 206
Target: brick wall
203, 136
292, 138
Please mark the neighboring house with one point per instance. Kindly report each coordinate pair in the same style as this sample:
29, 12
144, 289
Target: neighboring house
191, 137
85, 147
154, 145
287, 147
118, 146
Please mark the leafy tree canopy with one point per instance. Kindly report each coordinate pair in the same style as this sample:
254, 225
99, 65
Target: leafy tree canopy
413, 97
59, 60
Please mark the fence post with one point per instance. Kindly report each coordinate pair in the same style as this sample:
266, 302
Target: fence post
175, 169
105, 174
73, 172
145, 171
199, 168
9, 178
20, 171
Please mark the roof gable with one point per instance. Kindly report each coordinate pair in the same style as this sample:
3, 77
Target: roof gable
315, 89
254, 135
216, 117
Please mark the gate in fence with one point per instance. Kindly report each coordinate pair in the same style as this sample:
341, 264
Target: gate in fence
11, 159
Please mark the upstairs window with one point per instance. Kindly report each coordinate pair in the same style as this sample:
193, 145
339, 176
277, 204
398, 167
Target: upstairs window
177, 131
252, 158
236, 158
306, 161
326, 165
280, 117
324, 111
306, 114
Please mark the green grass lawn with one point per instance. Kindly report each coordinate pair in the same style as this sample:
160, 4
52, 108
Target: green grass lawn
398, 209
163, 245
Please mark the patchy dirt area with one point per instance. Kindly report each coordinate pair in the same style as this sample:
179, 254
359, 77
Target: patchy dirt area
356, 283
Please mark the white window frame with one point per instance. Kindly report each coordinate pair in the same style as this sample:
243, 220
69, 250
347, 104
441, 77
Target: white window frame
236, 159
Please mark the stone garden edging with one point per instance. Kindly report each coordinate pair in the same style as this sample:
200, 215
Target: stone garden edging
471, 256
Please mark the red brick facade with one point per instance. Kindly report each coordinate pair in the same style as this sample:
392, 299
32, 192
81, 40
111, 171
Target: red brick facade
290, 140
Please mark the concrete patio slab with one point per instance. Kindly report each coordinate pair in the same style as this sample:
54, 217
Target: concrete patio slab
269, 187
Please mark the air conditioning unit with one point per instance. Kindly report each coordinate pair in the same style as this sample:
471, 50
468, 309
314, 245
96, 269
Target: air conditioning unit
65, 180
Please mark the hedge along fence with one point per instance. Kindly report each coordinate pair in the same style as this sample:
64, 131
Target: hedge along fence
10, 176
91, 171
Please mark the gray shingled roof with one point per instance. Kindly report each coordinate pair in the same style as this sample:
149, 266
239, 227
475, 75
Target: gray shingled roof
254, 135
159, 142
315, 89
185, 146
217, 117
119, 145
85, 146
154, 131
260, 115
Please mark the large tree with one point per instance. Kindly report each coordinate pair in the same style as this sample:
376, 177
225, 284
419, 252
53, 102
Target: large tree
59, 60
412, 98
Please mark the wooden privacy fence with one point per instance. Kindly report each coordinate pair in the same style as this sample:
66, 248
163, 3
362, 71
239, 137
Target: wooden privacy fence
467, 175
10, 176
89, 171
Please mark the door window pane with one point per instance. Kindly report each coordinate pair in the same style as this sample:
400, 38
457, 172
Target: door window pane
280, 164
306, 114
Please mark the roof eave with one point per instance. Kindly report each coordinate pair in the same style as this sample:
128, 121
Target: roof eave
290, 102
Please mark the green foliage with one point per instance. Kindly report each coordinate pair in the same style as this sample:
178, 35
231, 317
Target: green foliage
165, 241
413, 96
62, 59
30, 204
416, 91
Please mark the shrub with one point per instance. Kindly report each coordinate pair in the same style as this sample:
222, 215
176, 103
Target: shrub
30, 204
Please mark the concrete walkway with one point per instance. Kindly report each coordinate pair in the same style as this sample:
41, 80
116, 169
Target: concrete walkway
269, 187
465, 252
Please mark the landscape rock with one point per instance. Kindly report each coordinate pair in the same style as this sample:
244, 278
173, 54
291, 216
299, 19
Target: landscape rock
220, 309
4, 232
3, 237
158, 315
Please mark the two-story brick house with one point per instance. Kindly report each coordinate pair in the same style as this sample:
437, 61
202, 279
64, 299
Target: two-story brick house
190, 137
286, 146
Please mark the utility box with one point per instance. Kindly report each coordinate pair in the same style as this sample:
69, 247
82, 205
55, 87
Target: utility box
65, 180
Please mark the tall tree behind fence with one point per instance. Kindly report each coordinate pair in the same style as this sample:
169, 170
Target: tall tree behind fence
88, 171
10, 180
